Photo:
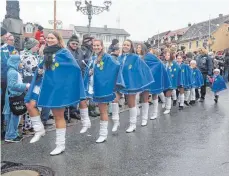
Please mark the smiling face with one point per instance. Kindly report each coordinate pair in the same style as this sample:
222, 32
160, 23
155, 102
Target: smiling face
139, 50
179, 59
167, 56
35, 48
74, 45
193, 65
51, 40
10, 40
97, 46
126, 47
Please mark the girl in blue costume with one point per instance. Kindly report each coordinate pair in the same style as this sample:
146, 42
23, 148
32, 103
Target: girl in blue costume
137, 76
104, 73
197, 79
162, 80
185, 82
218, 84
173, 70
60, 86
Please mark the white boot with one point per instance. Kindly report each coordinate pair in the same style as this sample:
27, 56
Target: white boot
181, 99
38, 128
145, 110
162, 97
103, 132
60, 141
133, 120
85, 120
154, 110
115, 116
167, 105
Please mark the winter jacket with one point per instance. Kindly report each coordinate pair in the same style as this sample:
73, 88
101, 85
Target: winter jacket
205, 64
226, 62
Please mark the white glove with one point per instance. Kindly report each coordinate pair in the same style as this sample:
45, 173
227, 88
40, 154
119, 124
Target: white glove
40, 71
27, 86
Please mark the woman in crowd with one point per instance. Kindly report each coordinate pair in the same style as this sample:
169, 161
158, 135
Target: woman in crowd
137, 76
104, 72
57, 89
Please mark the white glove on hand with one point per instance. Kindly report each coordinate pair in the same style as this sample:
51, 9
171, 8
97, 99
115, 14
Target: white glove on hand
40, 71
27, 86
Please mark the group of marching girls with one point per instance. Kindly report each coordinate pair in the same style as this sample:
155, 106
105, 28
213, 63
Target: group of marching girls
58, 83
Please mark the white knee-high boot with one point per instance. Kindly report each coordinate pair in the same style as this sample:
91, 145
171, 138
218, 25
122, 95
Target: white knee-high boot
85, 120
154, 109
60, 141
162, 97
133, 120
193, 94
145, 110
174, 94
187, 96
167, 105
103, 132
115, 116
38, 128
181, 99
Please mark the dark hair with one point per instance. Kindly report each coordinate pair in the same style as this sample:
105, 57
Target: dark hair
227, 52
114, 41
131, 46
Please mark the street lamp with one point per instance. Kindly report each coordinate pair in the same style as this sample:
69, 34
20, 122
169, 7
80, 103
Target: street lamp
90, 10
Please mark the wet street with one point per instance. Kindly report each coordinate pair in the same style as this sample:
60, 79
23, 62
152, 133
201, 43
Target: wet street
192, 142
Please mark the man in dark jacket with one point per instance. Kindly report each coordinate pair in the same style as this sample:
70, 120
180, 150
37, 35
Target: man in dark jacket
226, 65
205, 64
86, 47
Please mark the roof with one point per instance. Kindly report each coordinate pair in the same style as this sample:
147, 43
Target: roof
161, 35
177, 32
102, 30
66, 34
201, 29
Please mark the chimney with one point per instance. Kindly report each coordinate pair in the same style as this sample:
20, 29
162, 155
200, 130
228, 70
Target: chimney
189, 24
220, 15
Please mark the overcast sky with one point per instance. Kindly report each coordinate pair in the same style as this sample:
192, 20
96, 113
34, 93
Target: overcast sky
141, 18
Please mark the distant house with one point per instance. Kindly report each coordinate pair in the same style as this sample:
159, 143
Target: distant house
65, 33
104, 33
212, 34
158, 40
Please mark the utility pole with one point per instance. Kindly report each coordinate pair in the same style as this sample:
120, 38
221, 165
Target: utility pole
209, 32
54, 15
158, 40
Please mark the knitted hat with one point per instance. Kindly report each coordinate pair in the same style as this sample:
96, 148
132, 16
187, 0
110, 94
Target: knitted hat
40, 28
114, 41
115, 48
3, 31
74, 38
216, 70
30, 43
87, 38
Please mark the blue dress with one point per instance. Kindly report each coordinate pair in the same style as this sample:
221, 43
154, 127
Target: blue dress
197, 78
173, 70
135, 73
185, 80
60, 87
103, 81
161, 77
218, 84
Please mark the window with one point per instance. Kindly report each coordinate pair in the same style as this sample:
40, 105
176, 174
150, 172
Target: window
29, 29
197, 43
190, 45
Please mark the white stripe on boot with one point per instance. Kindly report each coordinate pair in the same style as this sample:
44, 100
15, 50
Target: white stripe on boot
38, 128
115, 116
103, 131
181, 99
154, 109
85, 120
167, 105
60, 141
133, 120
145, 110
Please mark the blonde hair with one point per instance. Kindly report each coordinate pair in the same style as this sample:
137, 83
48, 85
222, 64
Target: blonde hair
203, 50
59, 38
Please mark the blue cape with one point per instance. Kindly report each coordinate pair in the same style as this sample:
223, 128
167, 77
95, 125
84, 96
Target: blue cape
219, 84
105, 77
174, 74
135, 73
61, 86
185, 80
161, 77
197, 78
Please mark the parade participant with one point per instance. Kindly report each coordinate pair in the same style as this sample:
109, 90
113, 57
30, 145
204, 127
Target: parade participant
57, 89
162, 80
185, 82
10, 44
173, 70
205, 64
4, 57
104, 72
137, 76
197, 79
218, 84
73, 47
15, 88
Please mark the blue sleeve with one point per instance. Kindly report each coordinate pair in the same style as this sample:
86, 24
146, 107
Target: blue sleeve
12, 81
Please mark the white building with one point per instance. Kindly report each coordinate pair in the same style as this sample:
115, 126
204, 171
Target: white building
106, 34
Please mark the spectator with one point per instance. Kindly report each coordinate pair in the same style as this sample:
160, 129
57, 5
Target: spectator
226, 65
39, 33
15, 88
115, 52
205, 65
114, 43
10, 44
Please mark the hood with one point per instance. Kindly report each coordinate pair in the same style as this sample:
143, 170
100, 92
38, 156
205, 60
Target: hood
13, 62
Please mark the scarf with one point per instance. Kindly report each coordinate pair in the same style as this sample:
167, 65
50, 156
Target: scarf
48, 55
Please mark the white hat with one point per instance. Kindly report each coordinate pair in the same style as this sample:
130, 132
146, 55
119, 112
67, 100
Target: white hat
216, 70
193, 62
